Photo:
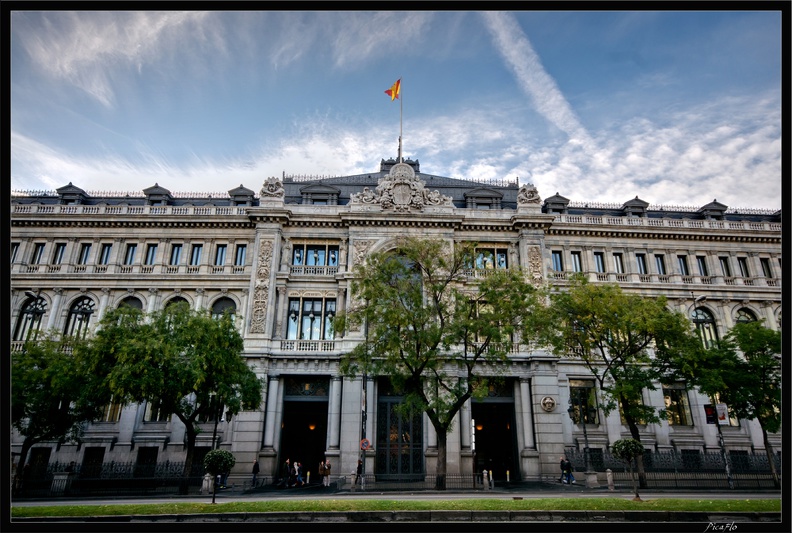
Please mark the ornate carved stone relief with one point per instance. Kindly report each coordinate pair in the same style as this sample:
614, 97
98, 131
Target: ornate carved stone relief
401, 191
535, 264
261, 290
272, 188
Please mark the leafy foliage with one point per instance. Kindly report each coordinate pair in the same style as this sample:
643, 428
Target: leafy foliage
49, 396
184, 359
627, 449
219, 461
429, 326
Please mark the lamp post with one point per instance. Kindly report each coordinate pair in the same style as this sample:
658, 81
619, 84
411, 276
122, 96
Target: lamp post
591, 477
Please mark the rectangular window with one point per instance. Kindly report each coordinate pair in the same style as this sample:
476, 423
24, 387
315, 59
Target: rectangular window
241, 251
315, 255
677, 405
558, 262
577, 265
85, 252
57, 257
742, 262
14, 250
725, 268
155, 412
618, 261
311, 319
129, 258
641, 261
766, 267
175, 257
104, 256
38, 252
112, 412
701, 261
220, 255
195, 257
683, 265
583, 400
660, 264
599, 262
151, 254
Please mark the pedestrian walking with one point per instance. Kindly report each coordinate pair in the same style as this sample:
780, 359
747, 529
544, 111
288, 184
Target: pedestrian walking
256, 470
359, 473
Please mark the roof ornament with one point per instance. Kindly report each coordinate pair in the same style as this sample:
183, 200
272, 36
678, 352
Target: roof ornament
401, 191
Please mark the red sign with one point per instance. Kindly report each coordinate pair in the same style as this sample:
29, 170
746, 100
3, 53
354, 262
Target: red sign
364, 444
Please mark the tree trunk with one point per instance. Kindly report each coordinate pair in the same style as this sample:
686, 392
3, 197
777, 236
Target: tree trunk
770, 457
635, 434
188, 460
442, 452
19, 479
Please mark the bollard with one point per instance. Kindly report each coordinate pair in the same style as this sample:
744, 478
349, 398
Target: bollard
486, 480
308, 478
507, 476
609, 474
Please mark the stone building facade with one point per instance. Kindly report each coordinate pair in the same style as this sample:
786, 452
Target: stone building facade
282, 260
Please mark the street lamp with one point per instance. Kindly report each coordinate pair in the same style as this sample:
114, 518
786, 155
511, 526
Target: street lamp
579, 402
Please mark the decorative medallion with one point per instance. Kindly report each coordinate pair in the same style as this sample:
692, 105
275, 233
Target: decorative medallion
548, 403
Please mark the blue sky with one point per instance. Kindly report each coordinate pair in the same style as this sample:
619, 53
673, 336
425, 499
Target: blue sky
678, 108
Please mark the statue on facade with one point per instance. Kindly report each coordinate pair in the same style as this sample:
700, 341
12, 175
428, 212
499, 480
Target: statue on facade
273, 188
528, 195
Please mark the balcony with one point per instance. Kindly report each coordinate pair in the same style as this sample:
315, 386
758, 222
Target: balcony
307, 345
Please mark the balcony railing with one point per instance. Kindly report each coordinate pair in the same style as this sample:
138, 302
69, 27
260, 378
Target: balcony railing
36, 209
668, 223
313, 270
307, 345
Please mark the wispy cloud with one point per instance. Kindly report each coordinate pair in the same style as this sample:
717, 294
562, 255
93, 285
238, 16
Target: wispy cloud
86, 49
518, 53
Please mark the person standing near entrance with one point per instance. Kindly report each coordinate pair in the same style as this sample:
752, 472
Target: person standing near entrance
256, 470
359, 473
327, 467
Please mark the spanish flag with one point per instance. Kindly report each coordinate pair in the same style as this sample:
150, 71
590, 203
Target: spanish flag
393, 92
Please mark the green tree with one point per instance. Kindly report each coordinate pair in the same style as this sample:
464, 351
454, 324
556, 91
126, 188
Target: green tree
616, 335
218, 462
750, 384
429, 326
49, 399
626, 450
186, 361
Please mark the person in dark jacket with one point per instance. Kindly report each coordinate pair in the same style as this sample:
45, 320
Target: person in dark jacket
256, 471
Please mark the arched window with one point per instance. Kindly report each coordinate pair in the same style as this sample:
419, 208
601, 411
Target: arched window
29, 321
176, 300
745, 315
705, 326
79, 317
133, 302
223, 305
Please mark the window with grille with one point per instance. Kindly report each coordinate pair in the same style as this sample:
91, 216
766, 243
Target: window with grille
79, 317
583, 401
29, 321
705, 326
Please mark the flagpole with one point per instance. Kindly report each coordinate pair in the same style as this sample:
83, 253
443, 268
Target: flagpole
401, 109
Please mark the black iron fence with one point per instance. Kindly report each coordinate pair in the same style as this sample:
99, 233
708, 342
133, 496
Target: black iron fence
110, 479
409, 482
685, 470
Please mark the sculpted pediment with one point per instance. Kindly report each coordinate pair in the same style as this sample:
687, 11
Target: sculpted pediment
401, 191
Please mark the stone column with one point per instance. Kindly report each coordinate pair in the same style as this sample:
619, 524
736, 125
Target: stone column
335, 413
281, 311
465, 416
56, 301
199, 298
767, 307
527, 413
103, 303
152, 300
272, 404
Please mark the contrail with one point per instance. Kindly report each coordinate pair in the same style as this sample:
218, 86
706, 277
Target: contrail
515, 48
